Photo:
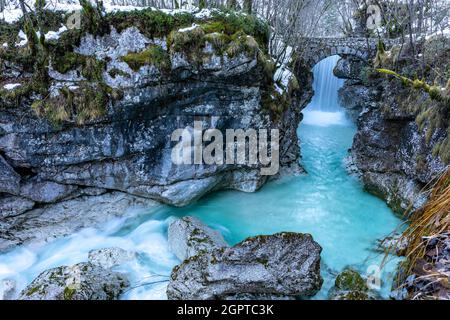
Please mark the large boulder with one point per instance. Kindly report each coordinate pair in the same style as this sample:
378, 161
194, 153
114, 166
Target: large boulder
283, 264
83, 281
188, 237
110, 257
9, 179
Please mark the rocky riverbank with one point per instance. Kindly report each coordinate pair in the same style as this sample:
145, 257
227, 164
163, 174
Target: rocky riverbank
402, 141
401, 151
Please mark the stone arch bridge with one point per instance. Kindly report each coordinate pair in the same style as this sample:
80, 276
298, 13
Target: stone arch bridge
316, 49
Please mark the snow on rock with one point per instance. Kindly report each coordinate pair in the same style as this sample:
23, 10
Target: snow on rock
11, 86
188, 28
54, 35
283, 76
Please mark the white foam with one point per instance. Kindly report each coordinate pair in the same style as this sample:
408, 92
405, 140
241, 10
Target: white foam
324, 119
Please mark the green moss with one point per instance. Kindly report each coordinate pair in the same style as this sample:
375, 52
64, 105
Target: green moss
69, 293
69, 61
93, 68
152, 23
231, 22
242, 43
154, 55
93, 20
350, 280
219, 41
32, 291
352, 295
188, 41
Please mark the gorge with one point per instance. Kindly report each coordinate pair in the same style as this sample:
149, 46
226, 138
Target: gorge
89, 189
327, 203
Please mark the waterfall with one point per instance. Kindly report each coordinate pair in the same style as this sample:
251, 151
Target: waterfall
324, 108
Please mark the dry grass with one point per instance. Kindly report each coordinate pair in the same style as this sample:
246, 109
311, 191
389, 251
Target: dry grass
426, 234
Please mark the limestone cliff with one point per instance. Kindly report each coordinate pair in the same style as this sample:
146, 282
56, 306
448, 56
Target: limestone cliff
403, 134
94, 112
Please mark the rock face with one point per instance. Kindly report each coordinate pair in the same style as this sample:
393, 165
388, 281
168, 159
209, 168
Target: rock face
46, 191
11, 206
130, 148
349, 68
110, 257
284, 264
355, 97
189, 237
395, 152
9, 179
82, 281
349, 285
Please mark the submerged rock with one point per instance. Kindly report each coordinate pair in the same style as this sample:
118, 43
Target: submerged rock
110, 257
349, 285
189, 237
283, 264
83, 281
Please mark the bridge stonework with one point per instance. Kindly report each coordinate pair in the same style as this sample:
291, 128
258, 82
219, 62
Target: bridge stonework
316, 49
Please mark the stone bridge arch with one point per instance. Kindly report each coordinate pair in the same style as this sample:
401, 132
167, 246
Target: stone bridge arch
317, 49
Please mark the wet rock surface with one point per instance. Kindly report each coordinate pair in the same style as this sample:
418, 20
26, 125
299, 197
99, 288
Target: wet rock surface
284, 264
189, 237
83, 281
108, 258
350, 285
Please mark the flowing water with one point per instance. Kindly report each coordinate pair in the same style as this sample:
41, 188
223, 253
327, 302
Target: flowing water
327, 203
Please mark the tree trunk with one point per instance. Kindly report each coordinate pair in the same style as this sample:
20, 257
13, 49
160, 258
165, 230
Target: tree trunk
248, 6
231, 4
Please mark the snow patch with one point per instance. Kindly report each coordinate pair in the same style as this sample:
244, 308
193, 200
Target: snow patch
54, 35
11, 86
188, 28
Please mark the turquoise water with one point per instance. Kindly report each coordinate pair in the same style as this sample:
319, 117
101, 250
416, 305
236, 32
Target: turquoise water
327, 203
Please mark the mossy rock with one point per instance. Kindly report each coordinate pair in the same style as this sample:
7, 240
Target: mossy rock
351, 280
153, 55
350, 285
